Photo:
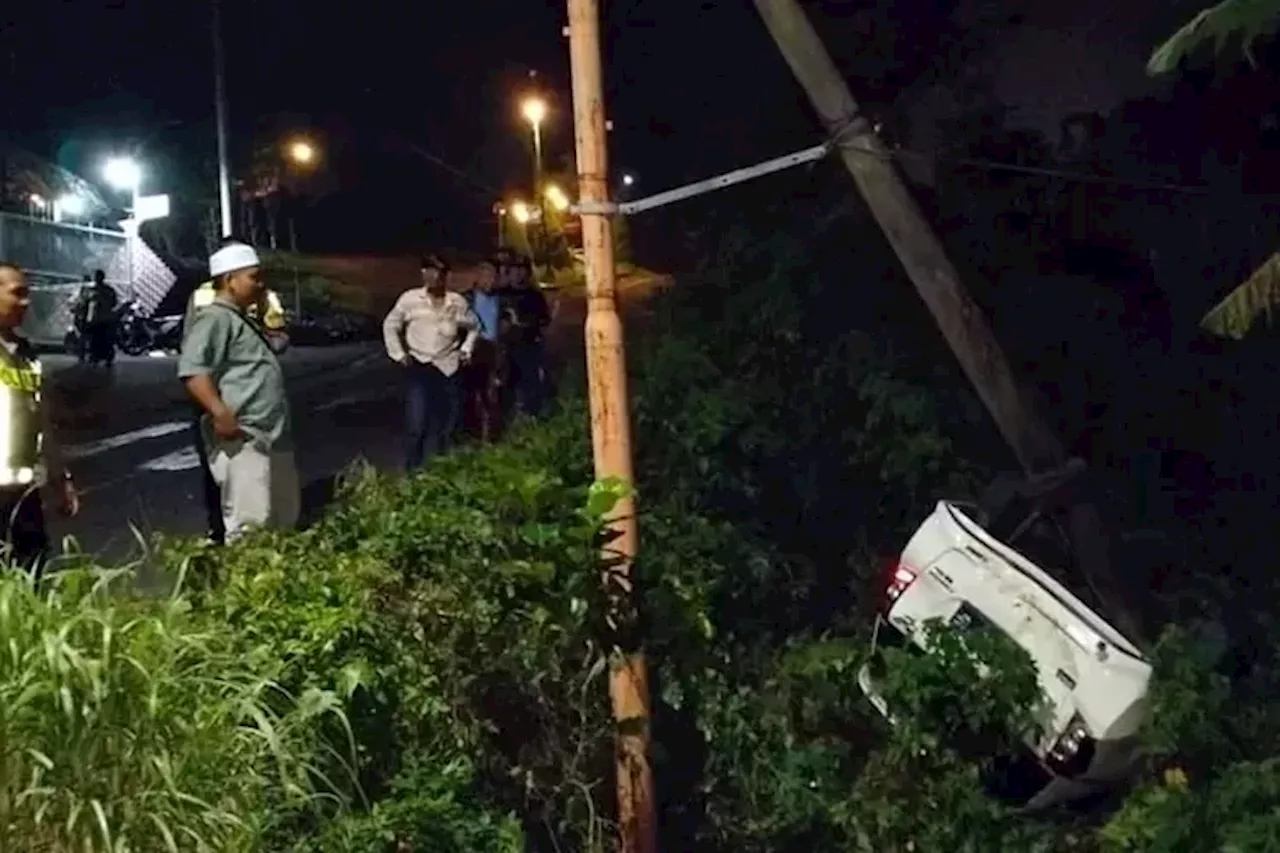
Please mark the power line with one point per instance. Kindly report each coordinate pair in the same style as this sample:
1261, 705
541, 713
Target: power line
1043, 171
480, 190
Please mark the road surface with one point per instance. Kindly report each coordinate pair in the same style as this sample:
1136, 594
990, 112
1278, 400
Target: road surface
127, 441
126, 434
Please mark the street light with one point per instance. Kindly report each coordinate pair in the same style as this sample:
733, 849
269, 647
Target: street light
534, 110
558, 199
521, 212
628, 180
302, 152
124, 173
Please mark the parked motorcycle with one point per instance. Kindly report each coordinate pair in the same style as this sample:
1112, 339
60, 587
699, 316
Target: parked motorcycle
137, 333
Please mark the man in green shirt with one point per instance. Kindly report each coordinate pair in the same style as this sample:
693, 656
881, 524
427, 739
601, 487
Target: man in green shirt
230, 369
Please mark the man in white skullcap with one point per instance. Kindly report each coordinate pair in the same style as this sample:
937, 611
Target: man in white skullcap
270, 315
231, 370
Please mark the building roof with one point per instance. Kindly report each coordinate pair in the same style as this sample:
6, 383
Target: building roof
23, 174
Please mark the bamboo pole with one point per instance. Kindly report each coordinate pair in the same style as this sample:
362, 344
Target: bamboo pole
925, 260
610, 424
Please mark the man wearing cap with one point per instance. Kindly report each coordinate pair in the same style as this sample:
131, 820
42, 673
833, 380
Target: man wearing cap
230, 369
431, 332
273, 321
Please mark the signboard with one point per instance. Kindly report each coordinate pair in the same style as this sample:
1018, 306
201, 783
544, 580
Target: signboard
151, 207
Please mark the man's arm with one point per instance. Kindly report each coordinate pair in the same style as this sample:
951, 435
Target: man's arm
204, 350
471, 324
393, 328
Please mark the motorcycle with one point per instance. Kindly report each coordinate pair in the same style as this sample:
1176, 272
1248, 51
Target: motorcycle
137, 333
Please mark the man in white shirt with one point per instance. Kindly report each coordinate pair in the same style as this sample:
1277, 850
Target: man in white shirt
431, 332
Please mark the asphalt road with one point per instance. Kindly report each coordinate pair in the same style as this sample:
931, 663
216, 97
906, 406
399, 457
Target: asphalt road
126, 439
125, 432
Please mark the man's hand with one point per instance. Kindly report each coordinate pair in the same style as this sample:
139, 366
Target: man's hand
69, 498
225, 425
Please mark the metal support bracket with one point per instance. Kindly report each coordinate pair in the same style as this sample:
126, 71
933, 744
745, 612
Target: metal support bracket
728, 179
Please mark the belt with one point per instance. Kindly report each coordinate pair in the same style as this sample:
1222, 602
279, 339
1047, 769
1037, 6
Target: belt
36, 475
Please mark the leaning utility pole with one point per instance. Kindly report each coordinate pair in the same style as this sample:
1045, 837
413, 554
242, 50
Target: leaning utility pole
921, 253
611, 427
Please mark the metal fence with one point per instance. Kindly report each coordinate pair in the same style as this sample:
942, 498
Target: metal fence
57, 256
57, 251
49, 316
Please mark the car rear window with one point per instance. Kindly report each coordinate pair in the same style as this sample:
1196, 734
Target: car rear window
969, 619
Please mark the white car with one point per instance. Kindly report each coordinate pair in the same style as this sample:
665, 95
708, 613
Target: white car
1095, 680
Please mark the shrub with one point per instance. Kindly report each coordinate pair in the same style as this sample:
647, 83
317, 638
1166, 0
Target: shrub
457, 618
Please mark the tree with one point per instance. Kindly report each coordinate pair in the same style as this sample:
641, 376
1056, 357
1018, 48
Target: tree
1251, 20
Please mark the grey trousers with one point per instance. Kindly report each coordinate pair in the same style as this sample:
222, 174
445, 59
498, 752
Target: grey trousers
259, 488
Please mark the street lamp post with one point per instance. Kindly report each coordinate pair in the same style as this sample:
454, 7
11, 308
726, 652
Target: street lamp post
535, 111
302, 155
500, 214
123, 173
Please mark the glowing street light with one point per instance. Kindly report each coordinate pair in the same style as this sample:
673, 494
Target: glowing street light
558, 199
628, 180
521, 212
302, 152
123, 173
534, 110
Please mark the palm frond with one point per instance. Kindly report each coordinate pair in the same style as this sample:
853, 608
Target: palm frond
1256, 297
1249, 19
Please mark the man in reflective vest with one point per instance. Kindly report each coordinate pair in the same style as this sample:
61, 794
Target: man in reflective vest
271, 311
29, 459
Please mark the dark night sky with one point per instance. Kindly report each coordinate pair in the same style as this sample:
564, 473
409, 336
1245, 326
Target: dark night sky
695, 88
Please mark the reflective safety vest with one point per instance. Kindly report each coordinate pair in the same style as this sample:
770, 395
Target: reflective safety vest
272, 317
21, 436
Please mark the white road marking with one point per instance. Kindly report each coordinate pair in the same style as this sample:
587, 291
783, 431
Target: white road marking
102, 445
185, 459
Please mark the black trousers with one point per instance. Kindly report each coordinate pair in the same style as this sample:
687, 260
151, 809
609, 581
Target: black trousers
431, 412
102, 342
217, 529
26, 539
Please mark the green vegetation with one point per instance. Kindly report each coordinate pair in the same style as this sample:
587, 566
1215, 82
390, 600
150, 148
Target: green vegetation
320, 291
425, 670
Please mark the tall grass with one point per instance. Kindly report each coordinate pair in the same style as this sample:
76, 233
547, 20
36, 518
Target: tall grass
131, 726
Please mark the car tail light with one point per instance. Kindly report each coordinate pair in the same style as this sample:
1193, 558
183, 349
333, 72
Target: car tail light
1073, 751
899, 577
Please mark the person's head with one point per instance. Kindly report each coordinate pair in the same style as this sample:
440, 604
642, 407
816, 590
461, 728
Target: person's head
15, 296
435, 275
237, 274
486, 276
521, 271
99, 278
